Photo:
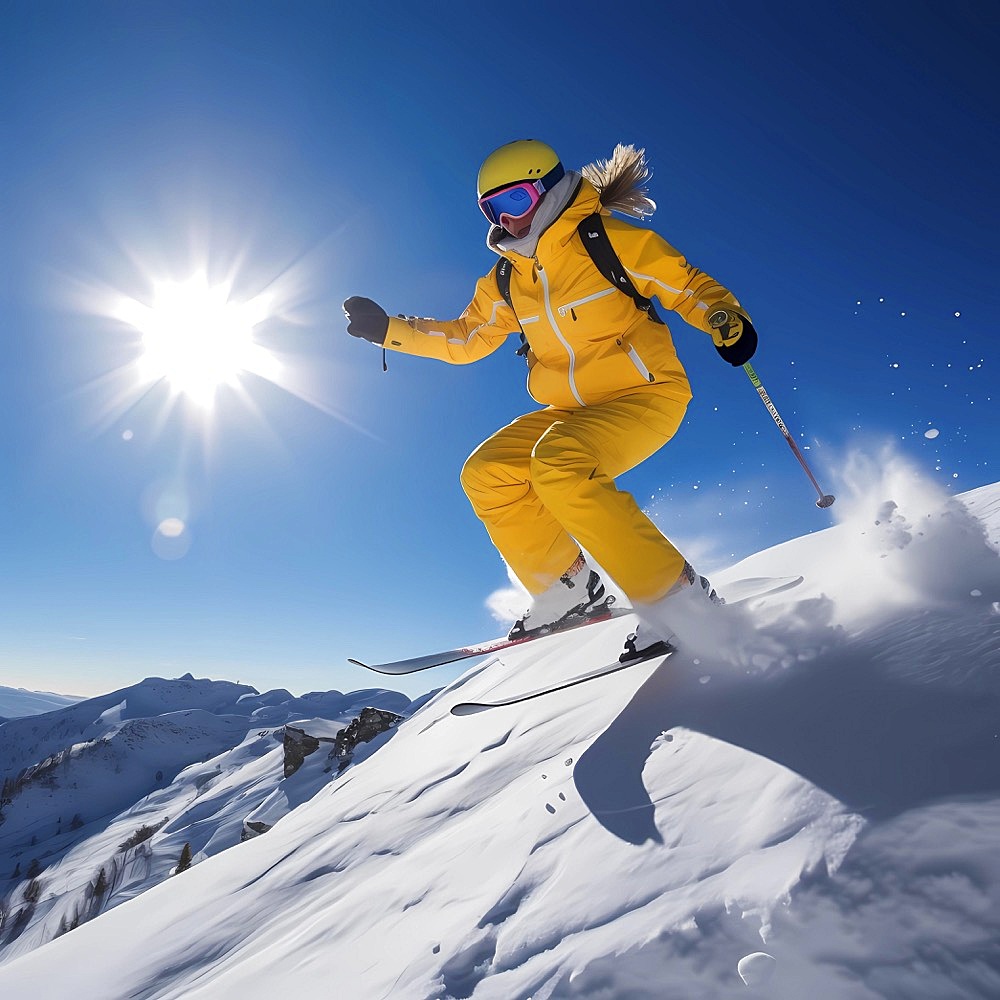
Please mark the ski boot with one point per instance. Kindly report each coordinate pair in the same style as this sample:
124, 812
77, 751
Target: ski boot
574, 597
682, 604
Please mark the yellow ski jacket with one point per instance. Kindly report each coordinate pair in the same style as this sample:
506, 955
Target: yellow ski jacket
587, 341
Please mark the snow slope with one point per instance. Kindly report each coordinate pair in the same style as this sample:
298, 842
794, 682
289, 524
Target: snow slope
814, 811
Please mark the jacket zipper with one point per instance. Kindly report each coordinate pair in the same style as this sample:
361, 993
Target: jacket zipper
558, 332
570, 306
637, 361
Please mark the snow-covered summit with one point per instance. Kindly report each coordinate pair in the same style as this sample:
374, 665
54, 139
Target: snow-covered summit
28, 741
816, 816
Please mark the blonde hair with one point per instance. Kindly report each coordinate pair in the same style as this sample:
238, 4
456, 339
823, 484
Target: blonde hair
620, 181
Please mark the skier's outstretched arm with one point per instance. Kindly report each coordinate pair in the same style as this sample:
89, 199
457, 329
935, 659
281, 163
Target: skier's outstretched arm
480, 330
660, 271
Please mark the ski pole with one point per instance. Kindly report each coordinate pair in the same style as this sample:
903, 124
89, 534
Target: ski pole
825, 499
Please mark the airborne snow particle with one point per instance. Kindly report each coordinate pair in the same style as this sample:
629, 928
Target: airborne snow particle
126, 435
756, 968
932, 433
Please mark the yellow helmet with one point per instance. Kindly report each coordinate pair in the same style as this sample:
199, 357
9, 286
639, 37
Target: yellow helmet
523, 160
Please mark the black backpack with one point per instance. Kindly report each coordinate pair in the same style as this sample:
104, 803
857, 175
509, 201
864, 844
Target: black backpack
595, 240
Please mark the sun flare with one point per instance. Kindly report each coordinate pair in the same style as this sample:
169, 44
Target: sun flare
196, 338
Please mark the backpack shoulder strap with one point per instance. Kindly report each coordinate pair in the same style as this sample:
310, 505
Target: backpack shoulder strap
596, 242
502, 274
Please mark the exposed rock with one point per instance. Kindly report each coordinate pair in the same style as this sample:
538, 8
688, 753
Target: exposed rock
298, 745
369, 724
253, 828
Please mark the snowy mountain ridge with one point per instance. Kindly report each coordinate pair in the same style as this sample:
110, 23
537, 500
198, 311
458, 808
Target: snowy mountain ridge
811, 812
18, 702
189, 761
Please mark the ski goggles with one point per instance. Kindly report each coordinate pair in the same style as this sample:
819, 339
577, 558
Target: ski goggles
515, 201
518, 199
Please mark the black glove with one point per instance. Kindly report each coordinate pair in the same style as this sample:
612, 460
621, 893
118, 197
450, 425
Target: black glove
733, 335
366, 319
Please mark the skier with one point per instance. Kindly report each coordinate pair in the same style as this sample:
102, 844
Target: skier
606, 372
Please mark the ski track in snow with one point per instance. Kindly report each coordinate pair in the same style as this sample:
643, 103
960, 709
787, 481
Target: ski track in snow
828, 794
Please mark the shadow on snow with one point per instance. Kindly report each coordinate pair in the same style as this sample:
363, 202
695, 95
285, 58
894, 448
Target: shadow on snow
895, 718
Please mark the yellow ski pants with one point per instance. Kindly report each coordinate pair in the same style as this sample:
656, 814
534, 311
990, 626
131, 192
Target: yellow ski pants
544, 488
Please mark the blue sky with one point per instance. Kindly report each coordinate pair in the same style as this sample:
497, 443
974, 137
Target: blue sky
834, 167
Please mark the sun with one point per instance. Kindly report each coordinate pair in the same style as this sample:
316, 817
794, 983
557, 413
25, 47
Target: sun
196, 338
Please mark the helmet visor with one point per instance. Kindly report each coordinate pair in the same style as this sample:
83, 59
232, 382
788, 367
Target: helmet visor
513, 201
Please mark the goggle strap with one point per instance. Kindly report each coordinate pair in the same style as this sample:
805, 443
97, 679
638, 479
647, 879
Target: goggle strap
552, 178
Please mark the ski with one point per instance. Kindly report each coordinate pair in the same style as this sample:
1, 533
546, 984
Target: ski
412, 665
475, 707
738, 592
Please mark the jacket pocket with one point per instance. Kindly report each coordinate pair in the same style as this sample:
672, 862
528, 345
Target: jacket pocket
570, 307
